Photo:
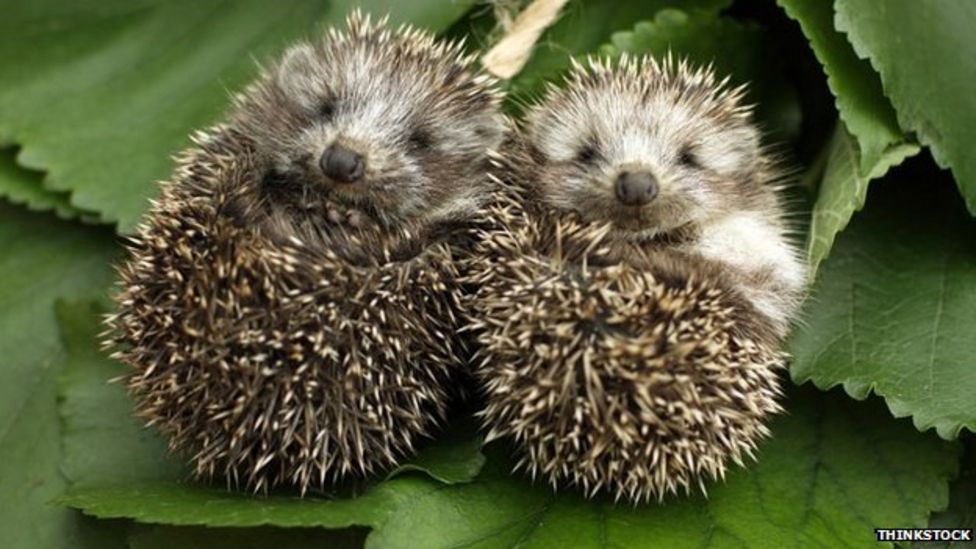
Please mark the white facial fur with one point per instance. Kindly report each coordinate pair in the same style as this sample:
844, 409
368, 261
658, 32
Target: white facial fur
409, 106
696, 144
704, 152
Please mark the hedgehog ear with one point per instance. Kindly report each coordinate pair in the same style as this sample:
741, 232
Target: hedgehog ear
732, 151
536, 128
746, 146
493, 130
296, 74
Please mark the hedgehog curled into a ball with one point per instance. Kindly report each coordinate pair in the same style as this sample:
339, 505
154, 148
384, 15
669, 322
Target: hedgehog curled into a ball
288, 300
640, 282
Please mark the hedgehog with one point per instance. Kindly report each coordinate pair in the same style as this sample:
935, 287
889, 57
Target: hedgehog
288, 303
635, 280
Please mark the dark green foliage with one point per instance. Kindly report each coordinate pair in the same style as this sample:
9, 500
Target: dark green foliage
96, 97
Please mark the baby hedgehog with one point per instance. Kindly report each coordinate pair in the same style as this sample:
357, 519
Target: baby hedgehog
288, 302
641, 282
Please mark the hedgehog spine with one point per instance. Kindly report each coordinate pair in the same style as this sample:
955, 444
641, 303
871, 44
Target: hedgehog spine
619, 351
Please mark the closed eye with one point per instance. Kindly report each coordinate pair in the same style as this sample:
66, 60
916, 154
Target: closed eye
689, 159
587, 154
327, 109
420, 140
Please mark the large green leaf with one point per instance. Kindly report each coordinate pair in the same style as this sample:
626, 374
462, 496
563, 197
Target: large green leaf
865, 145
833, 470
923, 50
101, 93
26, 188
98, 414
894, 310
454, 458
168, 537
738, 49
582, 28
860, 100
43, 259
961, 512
190, 504
843, 189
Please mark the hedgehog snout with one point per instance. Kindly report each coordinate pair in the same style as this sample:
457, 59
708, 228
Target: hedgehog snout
342, 164
636, 188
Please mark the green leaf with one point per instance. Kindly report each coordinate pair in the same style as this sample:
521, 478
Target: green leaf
103, 442
894, 309
701, 37
454, 457
833, 470
26, 188
582, 28
860, 100
100, 94
843, 189
43, 259
738, 49
168, 537
923, 52
194, 504
865, 145
961, 512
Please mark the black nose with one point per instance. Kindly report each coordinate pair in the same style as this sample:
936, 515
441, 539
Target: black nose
341, 164
636, 188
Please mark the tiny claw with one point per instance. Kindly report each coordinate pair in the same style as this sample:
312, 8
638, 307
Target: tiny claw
334, 216
354, 218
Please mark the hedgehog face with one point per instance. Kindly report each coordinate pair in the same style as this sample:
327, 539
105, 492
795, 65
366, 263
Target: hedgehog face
649, 148
390, 123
